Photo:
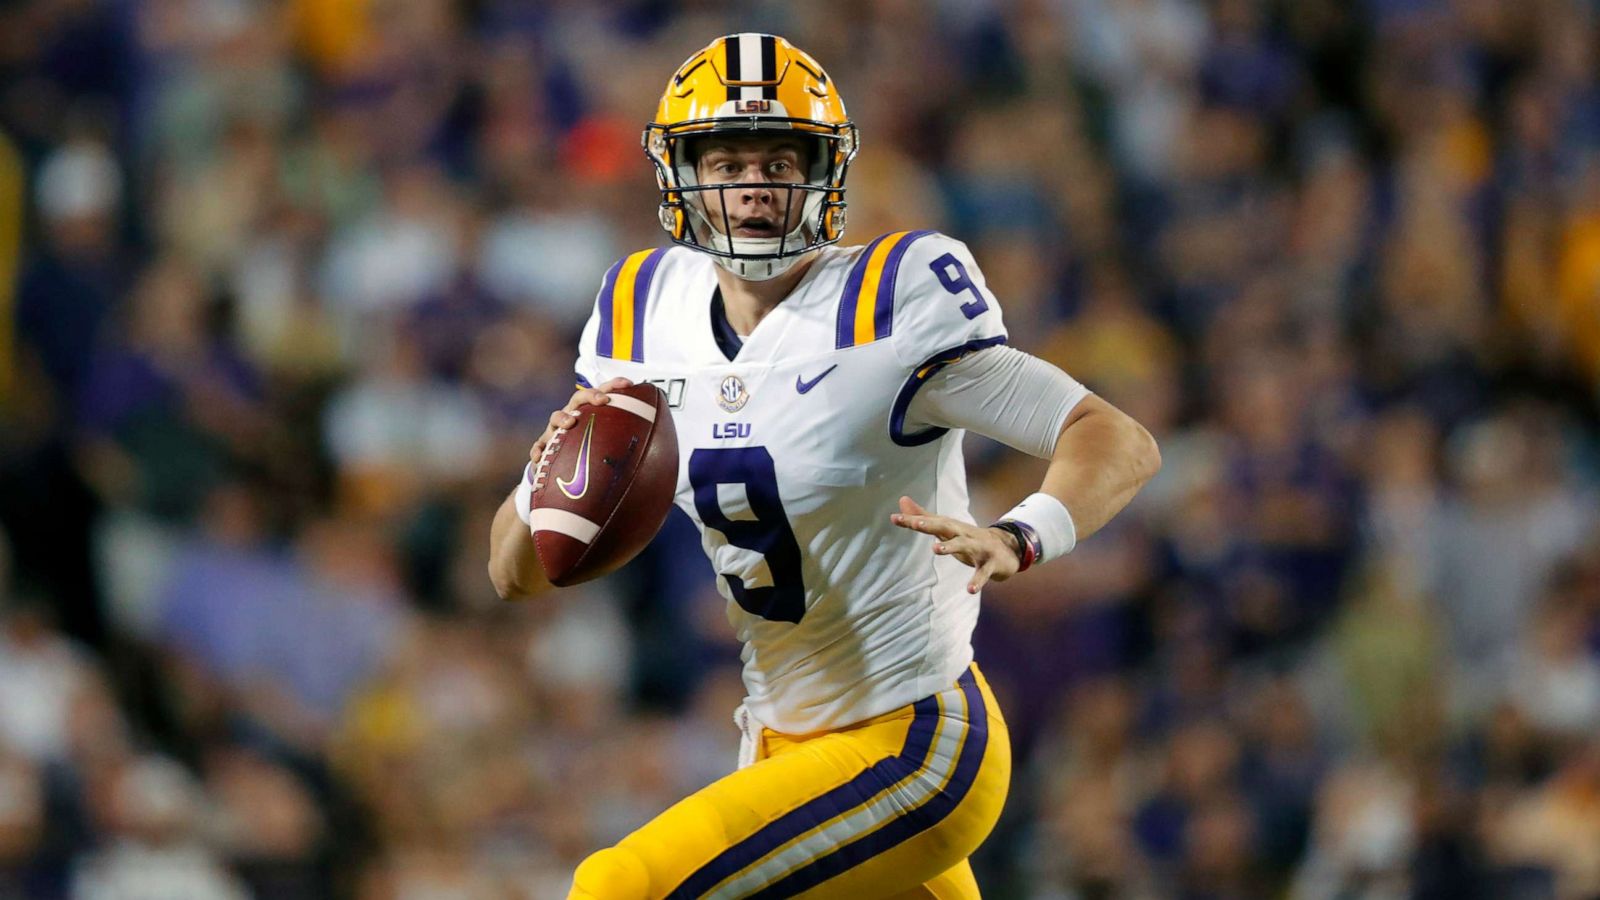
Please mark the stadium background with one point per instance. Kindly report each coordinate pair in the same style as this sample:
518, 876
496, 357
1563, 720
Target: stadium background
288, 289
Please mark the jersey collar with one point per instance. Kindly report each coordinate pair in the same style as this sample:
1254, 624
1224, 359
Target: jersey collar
728, 340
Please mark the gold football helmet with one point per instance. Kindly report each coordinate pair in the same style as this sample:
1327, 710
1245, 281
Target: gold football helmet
752, 84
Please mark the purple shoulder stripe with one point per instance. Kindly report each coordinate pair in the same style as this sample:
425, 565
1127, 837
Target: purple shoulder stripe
641, 298
845, 336
607, 298
883, 312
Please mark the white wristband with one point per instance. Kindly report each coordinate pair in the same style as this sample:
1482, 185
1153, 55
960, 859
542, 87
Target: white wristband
1049, 518
523, 498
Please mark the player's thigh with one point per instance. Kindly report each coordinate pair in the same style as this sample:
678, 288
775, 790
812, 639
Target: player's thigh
659, 857
871, 812
932, 858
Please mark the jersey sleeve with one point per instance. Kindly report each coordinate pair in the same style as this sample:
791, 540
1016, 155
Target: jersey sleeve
1015, 398
943, 313
587, 366
942, 304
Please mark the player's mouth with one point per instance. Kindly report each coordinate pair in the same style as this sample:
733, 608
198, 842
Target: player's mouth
756, 228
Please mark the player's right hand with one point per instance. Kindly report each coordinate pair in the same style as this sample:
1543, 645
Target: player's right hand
566, 417
991, 554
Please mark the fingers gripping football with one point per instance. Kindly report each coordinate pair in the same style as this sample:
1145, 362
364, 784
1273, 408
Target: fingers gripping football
563, 418
989, 552
605, 476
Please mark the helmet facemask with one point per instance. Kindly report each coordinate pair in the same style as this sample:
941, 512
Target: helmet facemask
814, 211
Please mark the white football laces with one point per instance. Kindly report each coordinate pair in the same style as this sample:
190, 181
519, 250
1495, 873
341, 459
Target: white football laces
542, 470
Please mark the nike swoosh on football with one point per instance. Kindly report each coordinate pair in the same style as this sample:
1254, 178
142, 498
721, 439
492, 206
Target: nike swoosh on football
803, 386
580, 472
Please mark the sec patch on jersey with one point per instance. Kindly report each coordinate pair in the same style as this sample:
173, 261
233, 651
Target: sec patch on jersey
603, 487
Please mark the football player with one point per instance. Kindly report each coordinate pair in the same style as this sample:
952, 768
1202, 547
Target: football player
820, 395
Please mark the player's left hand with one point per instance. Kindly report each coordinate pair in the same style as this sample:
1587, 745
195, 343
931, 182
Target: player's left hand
990, 552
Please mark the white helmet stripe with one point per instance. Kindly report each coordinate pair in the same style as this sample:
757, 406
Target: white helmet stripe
750, 66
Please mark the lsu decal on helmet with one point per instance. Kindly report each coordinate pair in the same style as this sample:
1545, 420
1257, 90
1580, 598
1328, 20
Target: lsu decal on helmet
752, 84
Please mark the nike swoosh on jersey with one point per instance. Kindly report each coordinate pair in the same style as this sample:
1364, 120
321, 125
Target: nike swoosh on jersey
803, 386
580, 472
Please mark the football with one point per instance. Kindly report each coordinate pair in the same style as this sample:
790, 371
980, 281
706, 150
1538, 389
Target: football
604, 486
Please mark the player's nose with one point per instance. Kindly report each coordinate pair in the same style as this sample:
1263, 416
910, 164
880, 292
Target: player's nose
756, 191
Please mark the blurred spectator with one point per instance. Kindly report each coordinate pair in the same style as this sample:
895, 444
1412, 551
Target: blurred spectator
42, 676
404, 250
290, 636
73, 282
267, 824
1143, 53
168, 406
545, 256
152, 811
1363, 836
1516, 517
395, 431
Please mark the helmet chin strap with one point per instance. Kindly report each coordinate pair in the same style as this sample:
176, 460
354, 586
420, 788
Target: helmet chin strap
754, 269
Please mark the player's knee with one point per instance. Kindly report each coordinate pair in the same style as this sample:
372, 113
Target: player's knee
614, 873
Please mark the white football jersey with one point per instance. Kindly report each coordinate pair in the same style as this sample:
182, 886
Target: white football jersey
793, 455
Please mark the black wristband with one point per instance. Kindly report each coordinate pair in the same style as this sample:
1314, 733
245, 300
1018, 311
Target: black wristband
1027, 545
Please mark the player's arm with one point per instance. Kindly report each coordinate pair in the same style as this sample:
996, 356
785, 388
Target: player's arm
1099, 458
513, 564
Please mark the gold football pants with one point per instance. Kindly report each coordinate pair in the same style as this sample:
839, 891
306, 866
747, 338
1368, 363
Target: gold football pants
888, 809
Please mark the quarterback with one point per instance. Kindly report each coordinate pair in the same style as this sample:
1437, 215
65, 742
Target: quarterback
820, 396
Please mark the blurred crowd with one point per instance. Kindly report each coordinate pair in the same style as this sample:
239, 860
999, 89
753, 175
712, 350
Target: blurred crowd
288, 288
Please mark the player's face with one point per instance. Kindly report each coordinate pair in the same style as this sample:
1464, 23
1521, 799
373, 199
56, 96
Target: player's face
752, 210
